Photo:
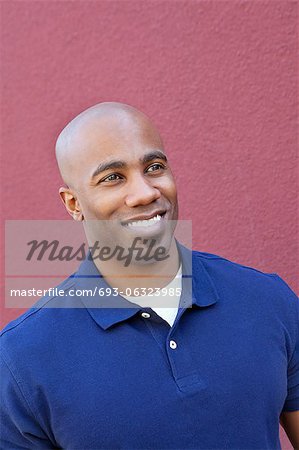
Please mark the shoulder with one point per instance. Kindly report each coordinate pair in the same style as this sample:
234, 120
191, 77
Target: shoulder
246, 279
244, 290
229, 267
40, 320
226, 265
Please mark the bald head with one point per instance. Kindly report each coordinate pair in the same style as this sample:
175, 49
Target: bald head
95, 130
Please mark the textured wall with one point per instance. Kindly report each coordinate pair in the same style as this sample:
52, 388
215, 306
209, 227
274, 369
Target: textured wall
217, 77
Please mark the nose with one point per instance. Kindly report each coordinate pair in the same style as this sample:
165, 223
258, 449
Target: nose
141, 192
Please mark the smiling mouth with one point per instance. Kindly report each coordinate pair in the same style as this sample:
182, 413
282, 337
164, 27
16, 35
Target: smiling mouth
146, 222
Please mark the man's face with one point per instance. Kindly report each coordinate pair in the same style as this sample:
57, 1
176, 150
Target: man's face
123, 180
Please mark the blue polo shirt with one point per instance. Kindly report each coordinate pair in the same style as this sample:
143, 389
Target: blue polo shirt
77, 376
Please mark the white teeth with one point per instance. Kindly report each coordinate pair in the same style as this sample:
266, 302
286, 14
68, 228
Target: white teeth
145, 223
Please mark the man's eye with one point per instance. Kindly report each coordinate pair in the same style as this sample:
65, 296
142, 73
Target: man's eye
112, 177
155, 167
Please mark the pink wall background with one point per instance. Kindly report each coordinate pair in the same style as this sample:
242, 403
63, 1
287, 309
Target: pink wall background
219, 80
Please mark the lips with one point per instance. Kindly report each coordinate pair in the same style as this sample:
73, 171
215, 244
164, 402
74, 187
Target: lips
145, 223
145, 219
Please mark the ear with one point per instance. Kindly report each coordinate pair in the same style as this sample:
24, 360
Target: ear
71, 203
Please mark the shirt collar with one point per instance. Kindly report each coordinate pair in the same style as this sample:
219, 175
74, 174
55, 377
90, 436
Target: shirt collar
197, 289
203, 291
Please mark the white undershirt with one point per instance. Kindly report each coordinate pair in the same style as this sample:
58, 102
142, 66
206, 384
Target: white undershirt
167, 313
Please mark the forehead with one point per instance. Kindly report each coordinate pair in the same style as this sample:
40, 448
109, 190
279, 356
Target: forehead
95, 137
120, 136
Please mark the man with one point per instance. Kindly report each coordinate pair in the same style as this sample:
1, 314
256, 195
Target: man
119, 373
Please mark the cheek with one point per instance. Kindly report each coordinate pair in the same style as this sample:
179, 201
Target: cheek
169, 189
170, 192
103, 205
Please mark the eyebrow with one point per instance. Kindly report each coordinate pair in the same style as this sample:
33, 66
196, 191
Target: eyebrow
118, 164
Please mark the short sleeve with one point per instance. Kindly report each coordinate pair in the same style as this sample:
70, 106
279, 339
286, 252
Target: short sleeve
292, 399
18, 429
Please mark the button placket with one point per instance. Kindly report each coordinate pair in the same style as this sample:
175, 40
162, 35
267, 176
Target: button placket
184, 372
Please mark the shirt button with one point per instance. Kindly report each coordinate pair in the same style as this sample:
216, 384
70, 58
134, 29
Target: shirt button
173, 344
146, 315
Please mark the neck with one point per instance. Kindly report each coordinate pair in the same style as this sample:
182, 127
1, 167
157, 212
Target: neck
156, 274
